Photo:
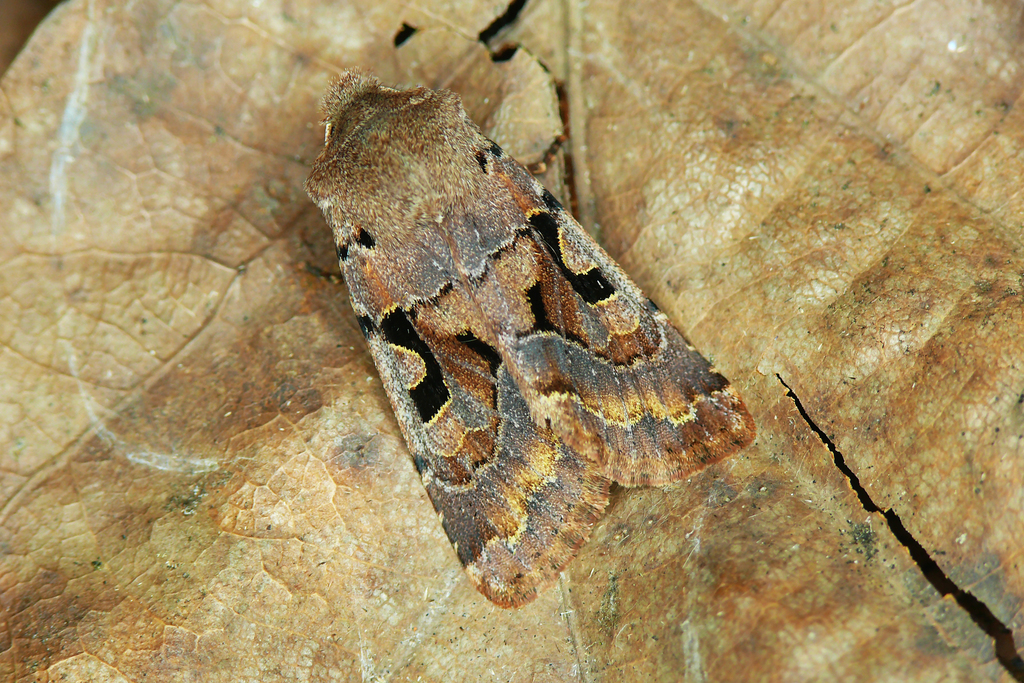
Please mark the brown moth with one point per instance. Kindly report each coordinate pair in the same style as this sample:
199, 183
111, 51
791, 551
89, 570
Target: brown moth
526, 370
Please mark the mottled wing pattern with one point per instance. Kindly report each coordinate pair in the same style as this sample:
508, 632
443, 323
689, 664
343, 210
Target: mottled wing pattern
526, 370
595, 358
515, 501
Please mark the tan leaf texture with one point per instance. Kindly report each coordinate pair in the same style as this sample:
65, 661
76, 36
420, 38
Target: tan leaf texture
201, 478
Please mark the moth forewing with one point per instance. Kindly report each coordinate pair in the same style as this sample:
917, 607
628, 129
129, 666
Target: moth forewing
526, 369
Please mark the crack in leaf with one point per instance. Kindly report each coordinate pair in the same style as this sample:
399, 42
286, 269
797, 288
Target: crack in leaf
979, 612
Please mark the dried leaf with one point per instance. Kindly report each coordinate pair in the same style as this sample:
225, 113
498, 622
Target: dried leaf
202, 476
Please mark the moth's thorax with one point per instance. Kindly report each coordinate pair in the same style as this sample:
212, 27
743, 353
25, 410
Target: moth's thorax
394, 162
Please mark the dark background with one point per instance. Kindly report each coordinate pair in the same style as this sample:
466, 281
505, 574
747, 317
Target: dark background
18, 18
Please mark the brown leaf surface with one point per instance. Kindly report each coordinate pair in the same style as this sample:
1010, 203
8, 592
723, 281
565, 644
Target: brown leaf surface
202, 479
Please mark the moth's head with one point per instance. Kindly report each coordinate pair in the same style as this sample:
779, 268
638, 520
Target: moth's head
337, 112
347, 106
392, 158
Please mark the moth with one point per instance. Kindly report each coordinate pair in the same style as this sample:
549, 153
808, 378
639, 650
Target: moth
525, 368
